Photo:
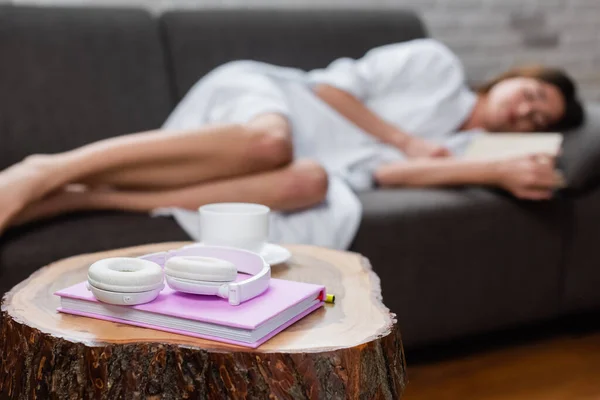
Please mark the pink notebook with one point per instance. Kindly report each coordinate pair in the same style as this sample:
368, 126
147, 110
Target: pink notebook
209, 317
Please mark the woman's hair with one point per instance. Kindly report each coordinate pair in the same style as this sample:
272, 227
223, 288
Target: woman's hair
574, 114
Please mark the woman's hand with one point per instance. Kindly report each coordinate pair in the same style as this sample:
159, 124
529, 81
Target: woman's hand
415, 147
532, 177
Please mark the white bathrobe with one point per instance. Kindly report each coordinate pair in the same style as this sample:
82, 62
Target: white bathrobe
418, 86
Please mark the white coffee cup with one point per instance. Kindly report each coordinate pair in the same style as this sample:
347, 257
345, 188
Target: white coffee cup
240, 225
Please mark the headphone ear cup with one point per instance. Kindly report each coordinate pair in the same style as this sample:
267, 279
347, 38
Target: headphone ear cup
123, 298
204, 270
195, 287
125, 274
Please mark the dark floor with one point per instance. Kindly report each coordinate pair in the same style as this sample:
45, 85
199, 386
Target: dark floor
556, 360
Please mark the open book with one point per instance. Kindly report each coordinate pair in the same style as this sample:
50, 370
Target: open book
504, 145
210, 317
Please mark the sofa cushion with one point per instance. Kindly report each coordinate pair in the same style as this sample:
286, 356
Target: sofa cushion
202, 40
25, 249
581, 153
70, 76
455, 262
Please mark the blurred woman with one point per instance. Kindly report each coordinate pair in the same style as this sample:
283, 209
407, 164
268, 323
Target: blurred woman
256, 132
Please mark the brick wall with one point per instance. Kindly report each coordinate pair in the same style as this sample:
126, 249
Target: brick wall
492, 35
488, 35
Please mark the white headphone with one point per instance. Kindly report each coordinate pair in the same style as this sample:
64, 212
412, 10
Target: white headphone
125, 280
197, 269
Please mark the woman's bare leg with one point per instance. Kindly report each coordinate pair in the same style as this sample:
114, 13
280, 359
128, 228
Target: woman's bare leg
192, 156
298, 185
262, 144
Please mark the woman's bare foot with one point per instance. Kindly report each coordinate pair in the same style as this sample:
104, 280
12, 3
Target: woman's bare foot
68, 199
22, 184
7, 212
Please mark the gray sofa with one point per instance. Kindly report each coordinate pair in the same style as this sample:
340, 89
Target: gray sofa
452, 262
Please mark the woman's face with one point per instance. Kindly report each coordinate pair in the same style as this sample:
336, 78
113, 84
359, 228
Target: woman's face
523, 105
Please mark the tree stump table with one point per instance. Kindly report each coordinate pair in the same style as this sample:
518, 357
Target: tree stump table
350, 349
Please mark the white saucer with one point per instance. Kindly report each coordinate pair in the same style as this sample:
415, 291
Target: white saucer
273, 254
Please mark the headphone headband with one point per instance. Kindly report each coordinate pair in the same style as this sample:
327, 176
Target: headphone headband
237, 292
244, 260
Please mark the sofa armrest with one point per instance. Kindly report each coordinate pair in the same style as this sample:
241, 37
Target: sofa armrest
580, 159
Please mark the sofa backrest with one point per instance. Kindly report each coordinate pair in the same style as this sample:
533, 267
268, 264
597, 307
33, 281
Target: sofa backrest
198, 41
69, 76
